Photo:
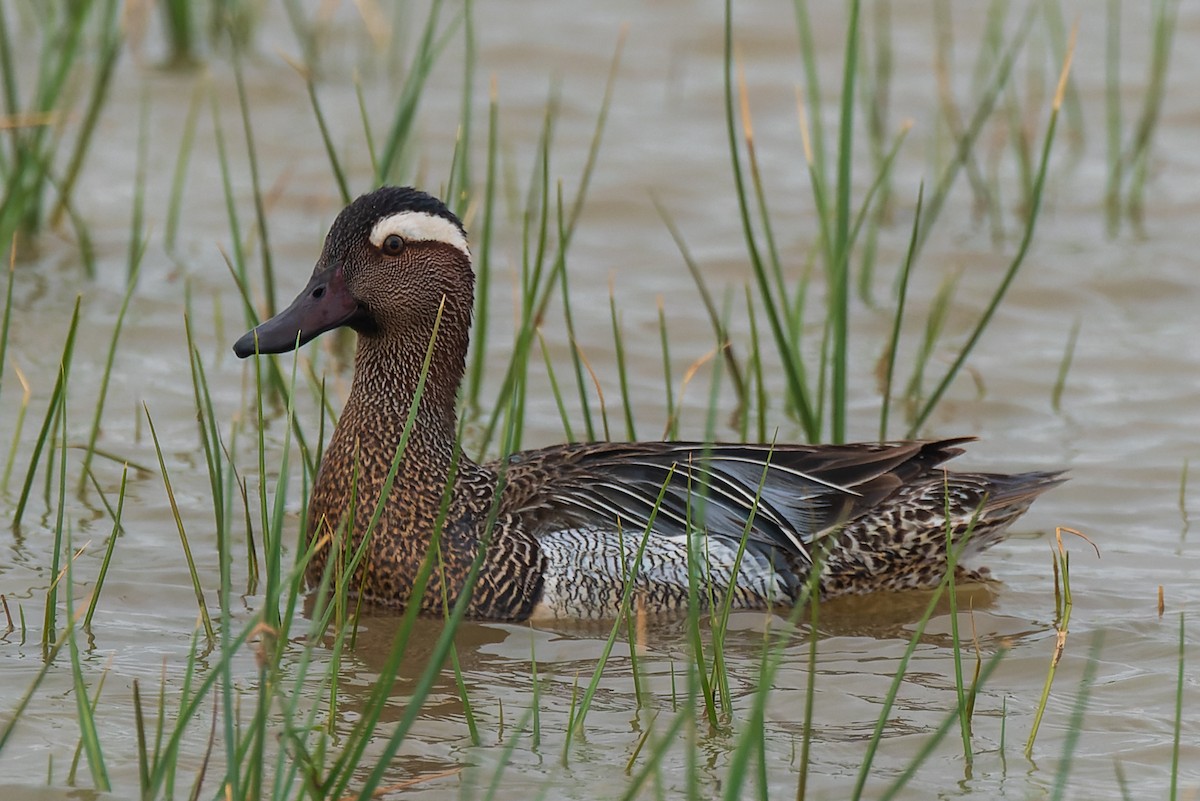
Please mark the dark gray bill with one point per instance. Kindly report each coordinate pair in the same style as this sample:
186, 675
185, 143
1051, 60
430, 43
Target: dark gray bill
325, 304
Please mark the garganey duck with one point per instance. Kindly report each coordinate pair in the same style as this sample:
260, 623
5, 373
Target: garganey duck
569, 520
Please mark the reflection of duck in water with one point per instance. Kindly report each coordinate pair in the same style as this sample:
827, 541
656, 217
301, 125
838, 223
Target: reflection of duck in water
571, 520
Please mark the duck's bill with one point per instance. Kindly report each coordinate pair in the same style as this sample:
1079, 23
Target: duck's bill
325, 304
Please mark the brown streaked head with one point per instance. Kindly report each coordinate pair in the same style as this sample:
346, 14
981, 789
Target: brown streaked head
389, 260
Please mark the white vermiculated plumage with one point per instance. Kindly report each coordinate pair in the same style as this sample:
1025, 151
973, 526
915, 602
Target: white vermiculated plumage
586, 572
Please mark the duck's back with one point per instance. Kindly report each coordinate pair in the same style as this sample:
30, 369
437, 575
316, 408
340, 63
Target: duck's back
871, 514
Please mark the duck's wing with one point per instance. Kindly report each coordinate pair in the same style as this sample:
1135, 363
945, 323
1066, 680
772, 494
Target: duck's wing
791, 494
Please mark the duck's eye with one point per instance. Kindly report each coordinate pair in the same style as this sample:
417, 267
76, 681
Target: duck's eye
392, 245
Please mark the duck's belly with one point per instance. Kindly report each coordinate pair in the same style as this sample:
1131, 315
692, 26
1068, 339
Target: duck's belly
587, 571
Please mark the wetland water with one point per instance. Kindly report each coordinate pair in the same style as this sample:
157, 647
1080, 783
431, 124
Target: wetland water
1127, 426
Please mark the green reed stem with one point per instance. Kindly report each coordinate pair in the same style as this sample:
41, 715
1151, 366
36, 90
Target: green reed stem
538, 284
629, 619
8, 305
8, 75
238, 258
272, 523
1178, 732
719, 622
750, 739
699, 681
459, 185
577, 362
210, 442
839, 310
343, 769
654, 761
139, 245
792, 369
62, 536
97, 94
1075, 726
965, 144
183, 538
938, 735
889, 698
721, 333
440, 523
622, 372
1137, 154
260, 211
876, 83
555, 391
812, 87
182, 160
84, 707
162, 771
1064, 367
181, 32
277, 383
56, 399
755, 369
1063, 606
939, 309
1059, 39
1112, 115
901, 300
760, 197
1014, 265
953, 548
29, 170
535, 227
79, 745
810, 682
1181, 501
965, 159
335, 164
109, 547
18, 427
138, 238
630, 572
304, 31
593, 154
672, 430
410, 95
510, 747
445, 640
365, 118
9, 724
878, 189
483, 259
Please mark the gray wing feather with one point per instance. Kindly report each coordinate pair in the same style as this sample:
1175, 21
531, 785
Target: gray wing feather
789, 494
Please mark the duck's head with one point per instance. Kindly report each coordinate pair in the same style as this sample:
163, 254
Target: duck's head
391, 260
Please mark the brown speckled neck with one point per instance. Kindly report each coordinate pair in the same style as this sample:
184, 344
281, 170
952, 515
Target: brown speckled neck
387, 374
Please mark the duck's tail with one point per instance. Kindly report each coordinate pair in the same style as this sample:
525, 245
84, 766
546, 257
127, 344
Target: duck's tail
903, 543
1004, 498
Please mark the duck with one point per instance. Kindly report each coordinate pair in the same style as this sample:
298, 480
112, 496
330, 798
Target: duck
564, 529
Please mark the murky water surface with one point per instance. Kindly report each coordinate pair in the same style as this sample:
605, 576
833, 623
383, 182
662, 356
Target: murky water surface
1127, 427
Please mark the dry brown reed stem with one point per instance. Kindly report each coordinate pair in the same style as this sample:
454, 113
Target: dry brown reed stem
688, 375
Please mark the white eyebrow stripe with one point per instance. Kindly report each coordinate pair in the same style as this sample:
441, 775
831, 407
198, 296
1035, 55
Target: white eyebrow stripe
418, 226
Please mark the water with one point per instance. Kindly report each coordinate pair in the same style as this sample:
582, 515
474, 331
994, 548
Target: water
1126, 428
